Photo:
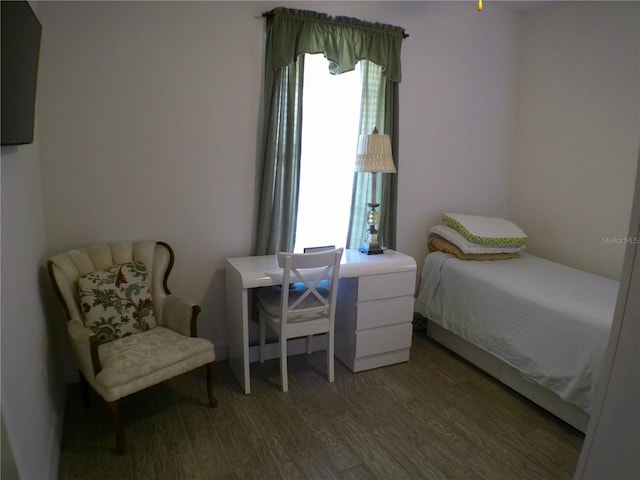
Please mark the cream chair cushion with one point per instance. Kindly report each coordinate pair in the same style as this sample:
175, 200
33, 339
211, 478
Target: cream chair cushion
133, 363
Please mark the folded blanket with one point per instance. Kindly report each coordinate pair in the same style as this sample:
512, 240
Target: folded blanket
438, 244
486, 230
467, 246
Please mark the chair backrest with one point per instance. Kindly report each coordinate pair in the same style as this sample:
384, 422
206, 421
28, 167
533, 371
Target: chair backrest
65, 269
314, 279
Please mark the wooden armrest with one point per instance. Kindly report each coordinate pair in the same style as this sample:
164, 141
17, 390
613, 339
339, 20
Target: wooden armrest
194, 320
95, 356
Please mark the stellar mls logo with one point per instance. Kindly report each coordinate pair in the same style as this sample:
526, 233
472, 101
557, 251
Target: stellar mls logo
620, 240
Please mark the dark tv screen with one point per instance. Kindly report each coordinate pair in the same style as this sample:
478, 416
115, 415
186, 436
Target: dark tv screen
20, 46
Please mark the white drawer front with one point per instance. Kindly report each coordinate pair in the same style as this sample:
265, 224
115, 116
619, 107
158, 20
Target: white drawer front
380, 313
384, 339
373, 287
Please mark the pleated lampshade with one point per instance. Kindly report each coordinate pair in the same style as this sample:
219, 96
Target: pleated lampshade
374, 154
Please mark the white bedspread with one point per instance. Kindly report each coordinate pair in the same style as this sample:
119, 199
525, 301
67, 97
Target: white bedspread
549, 321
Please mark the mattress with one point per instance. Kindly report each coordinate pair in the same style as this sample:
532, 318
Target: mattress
549, 321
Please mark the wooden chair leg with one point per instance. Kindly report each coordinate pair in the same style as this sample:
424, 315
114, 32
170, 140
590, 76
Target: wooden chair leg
84, 391
210, 380
113, 410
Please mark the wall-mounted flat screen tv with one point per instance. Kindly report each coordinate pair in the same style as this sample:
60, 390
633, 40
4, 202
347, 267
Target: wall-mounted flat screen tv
20, 37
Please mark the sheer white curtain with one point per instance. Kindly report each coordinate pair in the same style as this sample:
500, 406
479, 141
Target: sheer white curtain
373, 114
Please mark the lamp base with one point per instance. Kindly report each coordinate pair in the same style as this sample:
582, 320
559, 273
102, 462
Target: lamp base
370, 248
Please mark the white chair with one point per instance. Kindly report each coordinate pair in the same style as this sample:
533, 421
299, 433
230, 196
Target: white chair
305, 304
164, 345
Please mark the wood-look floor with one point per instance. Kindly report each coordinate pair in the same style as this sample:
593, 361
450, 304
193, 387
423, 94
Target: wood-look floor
434, 417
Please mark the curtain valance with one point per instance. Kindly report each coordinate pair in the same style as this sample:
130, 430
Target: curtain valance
343, 40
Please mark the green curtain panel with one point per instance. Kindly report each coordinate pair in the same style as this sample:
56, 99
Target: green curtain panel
281, 168
389, 188
344, 41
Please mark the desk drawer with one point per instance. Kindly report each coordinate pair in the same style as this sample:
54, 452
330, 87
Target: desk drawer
383, 339
381, 313
373, 287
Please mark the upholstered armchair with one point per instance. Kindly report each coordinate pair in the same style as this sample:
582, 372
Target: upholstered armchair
127, 331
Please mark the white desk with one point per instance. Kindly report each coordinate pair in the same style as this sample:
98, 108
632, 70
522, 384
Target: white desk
368, 283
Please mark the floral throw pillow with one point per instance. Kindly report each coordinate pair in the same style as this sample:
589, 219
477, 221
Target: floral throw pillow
116, 301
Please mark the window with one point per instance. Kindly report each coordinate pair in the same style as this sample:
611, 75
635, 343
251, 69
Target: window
330, 123
290, 33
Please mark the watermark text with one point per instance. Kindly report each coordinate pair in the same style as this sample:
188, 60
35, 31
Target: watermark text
620, 240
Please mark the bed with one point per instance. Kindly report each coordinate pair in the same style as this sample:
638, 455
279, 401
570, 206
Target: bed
537, 326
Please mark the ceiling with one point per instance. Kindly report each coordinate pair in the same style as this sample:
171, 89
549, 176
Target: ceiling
524, 5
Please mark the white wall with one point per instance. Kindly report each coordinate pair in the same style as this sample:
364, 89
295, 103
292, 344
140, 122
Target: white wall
33, 389
153, 114
456, 115
578, 124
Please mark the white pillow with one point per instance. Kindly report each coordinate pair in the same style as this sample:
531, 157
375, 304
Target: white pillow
486, 230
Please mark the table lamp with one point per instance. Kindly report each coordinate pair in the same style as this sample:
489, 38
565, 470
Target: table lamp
374, 156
